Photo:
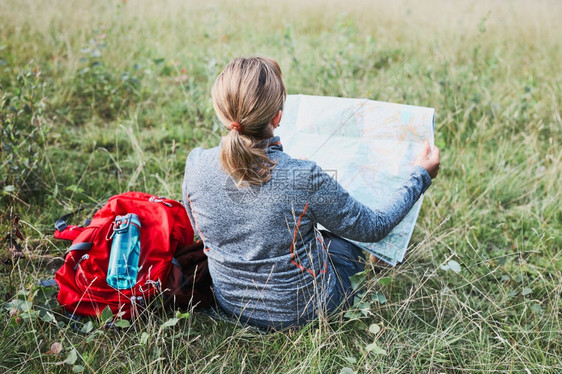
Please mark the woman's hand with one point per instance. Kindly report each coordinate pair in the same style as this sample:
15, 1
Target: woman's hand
429, 160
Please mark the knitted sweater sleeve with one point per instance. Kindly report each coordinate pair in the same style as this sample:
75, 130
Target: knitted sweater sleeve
334, 208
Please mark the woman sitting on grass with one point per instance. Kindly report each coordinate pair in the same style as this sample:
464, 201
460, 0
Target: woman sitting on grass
256, 210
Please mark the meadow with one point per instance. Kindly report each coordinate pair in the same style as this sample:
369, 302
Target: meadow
103, 97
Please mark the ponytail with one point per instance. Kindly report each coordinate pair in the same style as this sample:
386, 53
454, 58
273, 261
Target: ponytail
246, 96
245, 160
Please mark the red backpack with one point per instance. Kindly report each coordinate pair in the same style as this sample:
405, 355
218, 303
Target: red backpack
165, 228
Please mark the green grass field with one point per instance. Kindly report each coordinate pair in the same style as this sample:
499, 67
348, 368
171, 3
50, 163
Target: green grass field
103, 97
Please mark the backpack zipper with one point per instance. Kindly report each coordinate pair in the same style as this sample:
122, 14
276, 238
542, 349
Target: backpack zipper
154, 199
85, 257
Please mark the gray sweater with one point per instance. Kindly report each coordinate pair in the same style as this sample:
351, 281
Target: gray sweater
266, 259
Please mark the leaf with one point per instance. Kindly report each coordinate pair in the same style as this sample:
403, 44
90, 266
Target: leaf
374, 328
144, 338
8, 189
88, 326
350, 360
379, 351
364, 308
374, 348
72, 357
13, 306
526, 291
169, 323
47, 317
347, 370
123, 323
182, 315
93, 335
32, 314
536, 308
56, 348
379, 297
353, 314
106, 315
22, 294
44, 294
454, 266
357, 280
77, 369
26, 306
74, 188
385, 281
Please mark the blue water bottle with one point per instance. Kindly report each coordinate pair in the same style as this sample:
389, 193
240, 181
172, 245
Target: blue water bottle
125, 250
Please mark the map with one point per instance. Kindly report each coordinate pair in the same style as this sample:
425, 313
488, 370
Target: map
367, 146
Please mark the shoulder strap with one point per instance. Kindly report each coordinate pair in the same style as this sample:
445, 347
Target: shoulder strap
65, 231
47, 283
81, 246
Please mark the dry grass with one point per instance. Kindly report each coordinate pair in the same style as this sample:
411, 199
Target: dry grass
123, 95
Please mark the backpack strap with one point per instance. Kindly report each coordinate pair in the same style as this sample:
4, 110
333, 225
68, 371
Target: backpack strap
65, 231
70, 232
81, 246
47, 283
182, 280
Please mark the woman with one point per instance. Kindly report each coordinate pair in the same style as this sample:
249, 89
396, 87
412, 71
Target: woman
256, 209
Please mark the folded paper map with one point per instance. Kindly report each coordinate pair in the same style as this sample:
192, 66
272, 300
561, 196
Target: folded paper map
367, 145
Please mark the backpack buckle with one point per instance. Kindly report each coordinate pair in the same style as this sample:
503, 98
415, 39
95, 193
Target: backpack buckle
61, 225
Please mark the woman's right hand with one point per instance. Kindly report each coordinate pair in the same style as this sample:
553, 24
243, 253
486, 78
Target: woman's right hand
429, 160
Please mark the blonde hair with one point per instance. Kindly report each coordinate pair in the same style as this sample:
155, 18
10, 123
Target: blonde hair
247, 95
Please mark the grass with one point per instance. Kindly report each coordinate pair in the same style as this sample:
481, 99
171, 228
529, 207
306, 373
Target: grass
103, 97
